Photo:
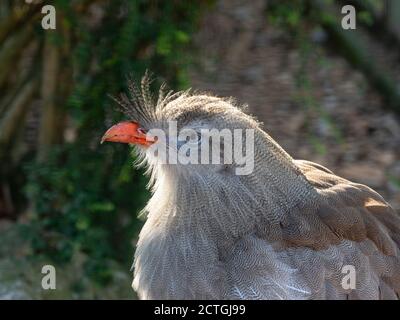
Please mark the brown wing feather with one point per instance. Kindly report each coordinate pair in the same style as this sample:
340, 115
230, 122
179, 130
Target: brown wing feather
354, 212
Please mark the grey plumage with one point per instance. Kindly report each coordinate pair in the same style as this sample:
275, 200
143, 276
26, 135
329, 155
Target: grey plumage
283, 232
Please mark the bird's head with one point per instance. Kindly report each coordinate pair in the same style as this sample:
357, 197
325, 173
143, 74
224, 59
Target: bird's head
186, 134
206, 156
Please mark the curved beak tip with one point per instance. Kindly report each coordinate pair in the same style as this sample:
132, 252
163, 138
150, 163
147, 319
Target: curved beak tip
103, 139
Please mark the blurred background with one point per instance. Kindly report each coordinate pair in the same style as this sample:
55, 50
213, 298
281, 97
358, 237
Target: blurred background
324, 93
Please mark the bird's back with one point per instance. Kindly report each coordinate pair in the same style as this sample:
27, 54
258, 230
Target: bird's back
343, 245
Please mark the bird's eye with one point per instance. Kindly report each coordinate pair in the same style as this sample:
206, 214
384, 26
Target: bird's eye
189, 138
194, 138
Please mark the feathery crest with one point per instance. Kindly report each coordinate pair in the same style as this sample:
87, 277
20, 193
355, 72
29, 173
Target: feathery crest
141, 105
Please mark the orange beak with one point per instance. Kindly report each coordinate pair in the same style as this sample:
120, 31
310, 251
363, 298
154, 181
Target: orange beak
128, 132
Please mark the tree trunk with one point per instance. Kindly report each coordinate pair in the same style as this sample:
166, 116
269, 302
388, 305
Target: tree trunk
49, 133
18, 18
15, 115
10, 53
393, 17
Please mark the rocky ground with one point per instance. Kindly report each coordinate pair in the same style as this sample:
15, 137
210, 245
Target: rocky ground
314, 104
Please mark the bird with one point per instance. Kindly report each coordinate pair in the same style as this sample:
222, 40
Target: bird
289, 229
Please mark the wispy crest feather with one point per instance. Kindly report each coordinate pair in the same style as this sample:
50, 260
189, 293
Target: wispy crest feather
141, 105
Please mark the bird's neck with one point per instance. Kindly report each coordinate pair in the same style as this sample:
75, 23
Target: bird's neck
278, 175
194, 222
231, 205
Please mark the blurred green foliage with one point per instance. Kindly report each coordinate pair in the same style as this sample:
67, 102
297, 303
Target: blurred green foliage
85, 196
